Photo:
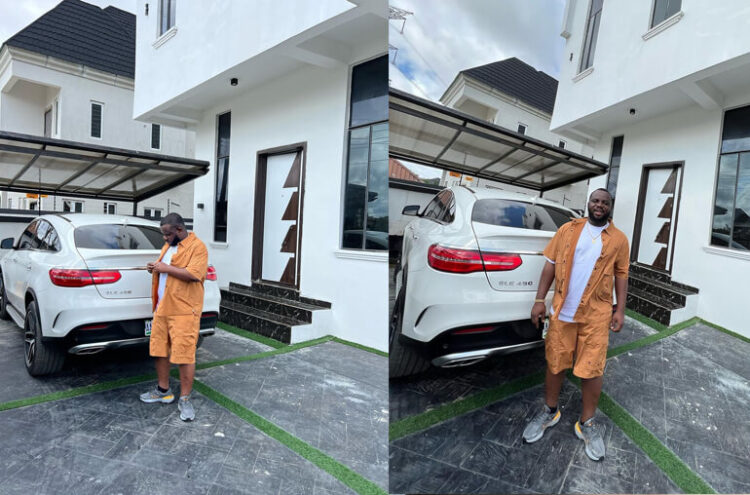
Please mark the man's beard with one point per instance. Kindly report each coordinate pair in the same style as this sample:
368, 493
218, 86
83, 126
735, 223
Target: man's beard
598, 222
175, 241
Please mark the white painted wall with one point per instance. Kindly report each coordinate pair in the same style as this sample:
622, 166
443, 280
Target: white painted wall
692, 135
212, 37
309, 106
626, 65
33, 87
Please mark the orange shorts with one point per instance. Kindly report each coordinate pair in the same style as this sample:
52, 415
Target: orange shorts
587, 341
175, 337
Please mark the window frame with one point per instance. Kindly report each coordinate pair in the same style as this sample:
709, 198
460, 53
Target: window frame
349, 129
228, 162
561, 143
74, 202
48, 132
159, 136
91, 119
154, 210
110, 203
586, 55
653, 24
171, 17
525, 129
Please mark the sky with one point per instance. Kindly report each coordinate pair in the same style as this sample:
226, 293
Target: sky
17, 14
444, 37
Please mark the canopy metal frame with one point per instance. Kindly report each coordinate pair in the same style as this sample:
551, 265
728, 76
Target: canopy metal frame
78, 161
409, 113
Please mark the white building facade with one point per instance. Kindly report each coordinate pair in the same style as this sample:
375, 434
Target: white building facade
490, 103
659, 90
45, 95
287, 107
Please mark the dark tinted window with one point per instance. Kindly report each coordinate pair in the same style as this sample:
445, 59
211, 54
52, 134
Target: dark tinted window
736, 133
113, 236
221, 199
442, 207
27, 237
155, 136
369, 97
664, 9
519, 214
46, 237
96, 120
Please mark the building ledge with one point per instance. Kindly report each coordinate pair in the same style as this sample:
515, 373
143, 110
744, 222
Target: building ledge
731, 253
168, 35
220, 245
353, 254
583, 74
663, 25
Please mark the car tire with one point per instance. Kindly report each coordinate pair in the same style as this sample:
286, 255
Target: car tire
402, 361
41, 358
3, 301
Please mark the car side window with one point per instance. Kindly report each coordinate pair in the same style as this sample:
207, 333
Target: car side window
433, 208
48, 240
449, 212
42, 230
27, 238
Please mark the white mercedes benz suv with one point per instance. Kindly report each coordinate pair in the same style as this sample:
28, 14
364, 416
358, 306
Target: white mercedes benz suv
78, 284
467, 278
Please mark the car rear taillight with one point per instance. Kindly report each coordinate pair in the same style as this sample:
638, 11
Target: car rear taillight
498, 262
64, 277
211, 273
468, 260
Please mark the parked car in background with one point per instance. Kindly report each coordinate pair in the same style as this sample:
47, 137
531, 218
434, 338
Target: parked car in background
468, 276
78, 284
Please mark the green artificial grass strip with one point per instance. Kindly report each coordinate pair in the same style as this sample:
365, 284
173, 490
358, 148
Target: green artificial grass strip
123, 382
422, 421
726, 331
650, 339
685, 478
261, 355
75, 392
339, 471
360, 346
252, 336
646, 320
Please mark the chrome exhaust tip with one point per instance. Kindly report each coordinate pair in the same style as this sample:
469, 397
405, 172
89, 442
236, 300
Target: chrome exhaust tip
457, 363
86, 351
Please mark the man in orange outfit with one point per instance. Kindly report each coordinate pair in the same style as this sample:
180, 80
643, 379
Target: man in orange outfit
582, 258
177, 294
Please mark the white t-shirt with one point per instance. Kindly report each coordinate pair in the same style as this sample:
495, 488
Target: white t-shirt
163, 276
588, 249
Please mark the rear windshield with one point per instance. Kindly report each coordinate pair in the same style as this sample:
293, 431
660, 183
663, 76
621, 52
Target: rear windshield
520, 215
114, 236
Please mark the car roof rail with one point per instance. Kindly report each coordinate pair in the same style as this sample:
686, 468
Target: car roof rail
472, 191
63, 217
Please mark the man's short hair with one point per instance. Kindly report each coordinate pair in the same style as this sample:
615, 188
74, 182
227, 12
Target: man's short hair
611, 197
173, 219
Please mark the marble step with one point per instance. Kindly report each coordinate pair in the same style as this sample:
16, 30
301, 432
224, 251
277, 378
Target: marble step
651, 306
649, 273
670, 292
267, 324
279, 292
270, 304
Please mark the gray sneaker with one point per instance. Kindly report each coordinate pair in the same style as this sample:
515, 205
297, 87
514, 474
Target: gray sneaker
187, 412
543, 420
591, 434
156, 396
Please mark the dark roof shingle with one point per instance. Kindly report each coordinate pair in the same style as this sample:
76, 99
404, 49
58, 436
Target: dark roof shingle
519, 80
75, 31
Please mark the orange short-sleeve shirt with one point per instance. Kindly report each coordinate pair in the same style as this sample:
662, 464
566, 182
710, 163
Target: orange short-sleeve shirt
182, 297
613, 262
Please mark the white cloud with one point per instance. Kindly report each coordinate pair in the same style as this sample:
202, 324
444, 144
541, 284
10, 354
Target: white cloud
446, 36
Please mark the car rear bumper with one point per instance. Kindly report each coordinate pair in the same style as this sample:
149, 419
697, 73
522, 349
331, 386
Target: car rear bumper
96, 347
96, 337
469, 344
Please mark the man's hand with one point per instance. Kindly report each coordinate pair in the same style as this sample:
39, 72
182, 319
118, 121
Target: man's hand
538, 311
158, 267
618, 318
150, 267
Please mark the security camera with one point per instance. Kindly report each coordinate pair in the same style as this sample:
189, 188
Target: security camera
632, 111
234, 81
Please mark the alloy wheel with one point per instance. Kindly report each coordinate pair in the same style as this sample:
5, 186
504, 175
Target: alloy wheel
29, 337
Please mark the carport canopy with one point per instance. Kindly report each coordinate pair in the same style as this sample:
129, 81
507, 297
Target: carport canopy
41, 165
428, 133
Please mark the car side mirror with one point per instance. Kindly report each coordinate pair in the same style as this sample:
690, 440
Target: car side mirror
6, 243
411, 210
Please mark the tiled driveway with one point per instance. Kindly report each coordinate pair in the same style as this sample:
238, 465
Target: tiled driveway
110, 442
693, 400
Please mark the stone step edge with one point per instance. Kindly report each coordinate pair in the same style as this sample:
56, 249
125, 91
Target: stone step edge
662, 285
263, 315
655, 300
272, 299
297, 296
